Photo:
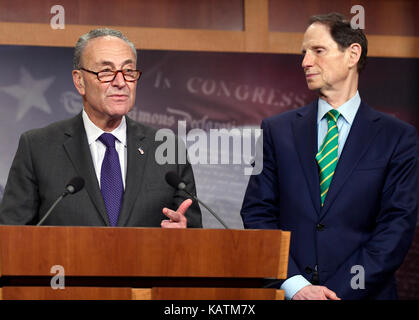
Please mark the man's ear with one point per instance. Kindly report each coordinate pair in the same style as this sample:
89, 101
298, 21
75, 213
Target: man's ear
78, 82
354, 54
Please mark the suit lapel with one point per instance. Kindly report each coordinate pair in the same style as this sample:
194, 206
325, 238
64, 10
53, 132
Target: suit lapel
136, 161
78, 151
305, 135
364, 128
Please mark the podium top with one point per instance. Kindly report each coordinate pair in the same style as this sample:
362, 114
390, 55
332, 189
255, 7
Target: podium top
143, 252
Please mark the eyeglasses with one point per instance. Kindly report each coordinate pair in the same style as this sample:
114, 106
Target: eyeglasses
109, 75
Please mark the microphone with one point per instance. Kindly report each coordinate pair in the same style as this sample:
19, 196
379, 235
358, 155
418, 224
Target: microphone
72, 187
174, 180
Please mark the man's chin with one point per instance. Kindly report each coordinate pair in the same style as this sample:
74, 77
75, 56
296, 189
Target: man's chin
313, 86
119, 110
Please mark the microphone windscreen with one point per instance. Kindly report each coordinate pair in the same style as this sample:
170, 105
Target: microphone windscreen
75, 185
173, 179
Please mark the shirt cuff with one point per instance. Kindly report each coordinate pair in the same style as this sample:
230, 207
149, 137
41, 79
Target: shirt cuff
294, 284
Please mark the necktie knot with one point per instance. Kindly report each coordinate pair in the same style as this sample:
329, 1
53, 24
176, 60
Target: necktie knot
332, 115
108, 139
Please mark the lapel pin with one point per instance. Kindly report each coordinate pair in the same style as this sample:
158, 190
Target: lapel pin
141, 150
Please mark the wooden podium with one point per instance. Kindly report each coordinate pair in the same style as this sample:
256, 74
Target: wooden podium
141, 263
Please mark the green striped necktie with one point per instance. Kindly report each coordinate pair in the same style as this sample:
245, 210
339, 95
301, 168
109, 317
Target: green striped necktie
327, 157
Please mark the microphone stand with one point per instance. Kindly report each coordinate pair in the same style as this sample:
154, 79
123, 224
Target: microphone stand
52, 207
206, 207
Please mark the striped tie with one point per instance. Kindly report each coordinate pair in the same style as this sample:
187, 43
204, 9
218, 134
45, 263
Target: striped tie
327, 157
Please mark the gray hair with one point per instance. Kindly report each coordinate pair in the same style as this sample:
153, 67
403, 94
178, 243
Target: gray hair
96, 33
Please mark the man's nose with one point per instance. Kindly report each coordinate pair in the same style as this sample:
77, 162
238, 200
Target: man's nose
307, 60
119, 80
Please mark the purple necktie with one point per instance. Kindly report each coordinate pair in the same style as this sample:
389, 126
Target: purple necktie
111, 179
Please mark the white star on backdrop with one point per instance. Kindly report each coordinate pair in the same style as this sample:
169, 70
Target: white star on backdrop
29, 93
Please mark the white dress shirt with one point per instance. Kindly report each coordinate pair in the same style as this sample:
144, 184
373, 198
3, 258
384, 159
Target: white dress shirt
347, 111
98, 149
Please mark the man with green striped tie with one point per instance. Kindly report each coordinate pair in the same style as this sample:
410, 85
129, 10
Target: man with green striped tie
341, 176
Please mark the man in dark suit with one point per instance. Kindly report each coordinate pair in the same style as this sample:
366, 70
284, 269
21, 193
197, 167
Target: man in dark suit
124, 185
342, 177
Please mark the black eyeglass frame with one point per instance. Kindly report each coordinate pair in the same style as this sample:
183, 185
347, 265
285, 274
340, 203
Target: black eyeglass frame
114, 74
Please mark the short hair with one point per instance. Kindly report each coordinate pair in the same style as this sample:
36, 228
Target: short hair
343, 34
96, 33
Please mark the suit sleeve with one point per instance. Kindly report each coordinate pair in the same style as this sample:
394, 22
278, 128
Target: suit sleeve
20, 203
395, 224
260, 209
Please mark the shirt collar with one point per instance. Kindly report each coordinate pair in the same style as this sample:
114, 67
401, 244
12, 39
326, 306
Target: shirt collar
347, 110
93, 132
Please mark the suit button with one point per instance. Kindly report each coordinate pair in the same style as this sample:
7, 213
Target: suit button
320, 227
308, 270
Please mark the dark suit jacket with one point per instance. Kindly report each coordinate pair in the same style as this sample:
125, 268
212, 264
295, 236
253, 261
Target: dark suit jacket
370, 211
48, 158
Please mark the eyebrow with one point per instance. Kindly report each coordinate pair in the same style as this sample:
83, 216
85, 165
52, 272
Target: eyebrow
109, 63
303, 51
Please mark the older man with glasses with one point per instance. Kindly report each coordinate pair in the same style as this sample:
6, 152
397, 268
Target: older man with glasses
124, 185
